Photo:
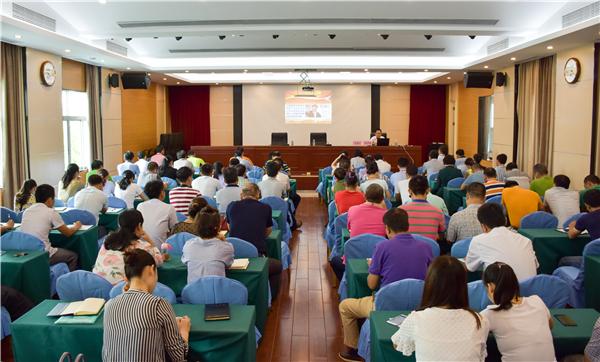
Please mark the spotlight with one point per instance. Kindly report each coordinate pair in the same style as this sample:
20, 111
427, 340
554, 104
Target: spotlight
178, 38
428, 36
384, 36
128, 39
222, 37
472, 36
275, 36
331, 36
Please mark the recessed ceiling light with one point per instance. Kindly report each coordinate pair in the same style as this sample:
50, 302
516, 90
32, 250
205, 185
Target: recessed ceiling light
216, 83
67, 50
187, 71
344, 72
245, 70
464, 72
435, 81
102, 1
395, 82
178, 82
426, 70
366, 70
128, 68
101, 60
164, 78
448, 77
549, 47
149, 74
17, 36
485, 67
513, 59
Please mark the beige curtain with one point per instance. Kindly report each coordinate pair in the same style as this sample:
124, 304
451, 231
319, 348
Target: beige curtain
15, 159
93, 90
535, 110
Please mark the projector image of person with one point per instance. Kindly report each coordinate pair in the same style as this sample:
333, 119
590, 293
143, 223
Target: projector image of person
312, 111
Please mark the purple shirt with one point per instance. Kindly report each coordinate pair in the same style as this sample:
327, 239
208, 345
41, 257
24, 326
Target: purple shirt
591, 223
400, 258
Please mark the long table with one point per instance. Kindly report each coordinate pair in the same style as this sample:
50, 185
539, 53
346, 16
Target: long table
551, 245
567, 340
590, 282
357, 272
35, 337
83, 242
29, 274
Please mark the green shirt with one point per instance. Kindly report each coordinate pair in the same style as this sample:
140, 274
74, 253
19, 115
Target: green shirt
196, 161
540, 185
94, 172
338, 186
582, 192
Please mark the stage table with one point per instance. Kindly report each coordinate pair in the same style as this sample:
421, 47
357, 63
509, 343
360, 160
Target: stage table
83, 242
29, 274
551, 245
173, 273
35, 337
357, 272
453, 197
591, 282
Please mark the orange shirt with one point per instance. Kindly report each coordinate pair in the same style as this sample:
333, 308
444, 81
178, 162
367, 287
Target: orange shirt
520, 202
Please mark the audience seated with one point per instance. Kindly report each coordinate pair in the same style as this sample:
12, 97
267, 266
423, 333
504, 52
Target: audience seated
271, 184
108, 186
92, 198
189, 225
400, 257
561, 201
442, 152
96, 166
382, 165
469, 163
476, 175
358, 161
128, 164
477, 158
589, 182
401, 173
514, 319
498, 243
131, 235
351, 196
208, 254
512, 170
362, 174
493, 187
374, 177
367, 218
71, 182
424, 218
339, 175
336, 163
234, 161
159, 155
25, 197
519, 202
159, 217
541, 180
500, 167
182, 161
151, 174
195, 160
232, 190
464, 224
142, 162
460, 160
241, 172
128, 191
218, 172
591, 220
166, 168
433, 165
139, 326
447, 173
246, 161
444, 328
181, 196
40, 218
401, 187
206, 183
276, 154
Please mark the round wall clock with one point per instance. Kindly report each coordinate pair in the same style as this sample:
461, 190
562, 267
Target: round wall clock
48, 73
572, 70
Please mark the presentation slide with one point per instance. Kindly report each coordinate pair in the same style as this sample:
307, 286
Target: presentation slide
308, 108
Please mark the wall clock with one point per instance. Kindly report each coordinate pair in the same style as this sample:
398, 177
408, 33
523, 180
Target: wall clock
572, 70
48, 73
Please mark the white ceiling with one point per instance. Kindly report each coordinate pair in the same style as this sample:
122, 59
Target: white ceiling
303, 42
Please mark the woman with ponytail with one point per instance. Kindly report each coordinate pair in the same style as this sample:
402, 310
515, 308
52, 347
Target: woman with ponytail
127, 190
129, 236
188, 225
521, 325
26, 195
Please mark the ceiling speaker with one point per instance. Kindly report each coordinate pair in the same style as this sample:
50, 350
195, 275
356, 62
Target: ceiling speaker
478, 79
113, 80
135, 80
500, 79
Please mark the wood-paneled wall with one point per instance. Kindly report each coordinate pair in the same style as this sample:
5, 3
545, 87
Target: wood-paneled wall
395, 112
73, 75
467, 117
139, 118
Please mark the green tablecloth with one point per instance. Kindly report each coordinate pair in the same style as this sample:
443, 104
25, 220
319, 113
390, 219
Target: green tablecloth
550, 245
453, 197
590, 283
84, 243
232, 340
293, 186
173, 273
567, 340
328, 192
274, 245
345, 236
110, 220
280, 218
29, 274
357, 271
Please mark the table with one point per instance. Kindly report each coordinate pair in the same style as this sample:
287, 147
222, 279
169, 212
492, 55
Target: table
293, 186
453, 197
83, 242
550, 245
173, 273
590, 282
231, 340
357, 271
274, 244
345, 237
110, 220
29, 274
278, 216
567, 340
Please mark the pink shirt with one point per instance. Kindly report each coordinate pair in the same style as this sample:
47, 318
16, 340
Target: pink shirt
158, 158
366, 219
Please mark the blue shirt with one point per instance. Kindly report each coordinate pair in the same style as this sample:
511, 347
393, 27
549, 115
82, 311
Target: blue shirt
476, 177
398, 176
591, 223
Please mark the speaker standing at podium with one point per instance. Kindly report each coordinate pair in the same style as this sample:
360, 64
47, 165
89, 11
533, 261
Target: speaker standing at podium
378, 135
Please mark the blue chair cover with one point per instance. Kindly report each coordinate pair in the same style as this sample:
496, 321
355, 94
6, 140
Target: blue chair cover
59, 203
117, 178
180, 217
116, 202
286, 256
574, 276
446, 220
80, 284
6, 214
214, 290
340, 223
242, 248
435, 247
71, 201
362, 246
277, 203
211, 201
575, 217
84, 216
160, 290
495, 199
460, 248
387, 174
5, 326
431, 178
56, 271
329, 229
254, 180
539, 220
171, 184
178, 241
456, 182
256, 173
554, 291
478, 299
420, 170
388, 204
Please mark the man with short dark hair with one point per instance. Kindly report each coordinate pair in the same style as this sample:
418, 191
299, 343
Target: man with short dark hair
239, 154
367, 218
92, 198
493, 187
475, 176
128, 164
449, 172
159, 217
424, 218
96, 165
460, 160
142, 162
403, 163
464, 224
181, 197
400, 257
374, 177
270, 186
206, 183
401, 187
541, 180
589, 182
231, 192
500, 166
498, 243
378, 134
339, 174
561, 201
433, 165
182, 161
382, 165
589, 221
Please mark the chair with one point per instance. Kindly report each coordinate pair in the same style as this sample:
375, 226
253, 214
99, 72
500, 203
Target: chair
71, 201
211, 201
552, 290
242, 248
83, 216
431, 178
277, 203
460, 248
180, 217
435, 247
256, 173
361, 246
178, 241
80, 284
478, 298
286, 256
160, 290
539, 220
456, 182
117, 178
495, 200
574, 275
171, 184
214, 290
5, 325
329, 229
575, 217
116, 203
388, 203
420, 170
339, 224
7, 214
59, 203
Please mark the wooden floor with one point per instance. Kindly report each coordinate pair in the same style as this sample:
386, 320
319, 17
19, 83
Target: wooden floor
303, 324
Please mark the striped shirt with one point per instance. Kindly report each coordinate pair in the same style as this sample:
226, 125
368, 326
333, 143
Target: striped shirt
181, 197
424, 219
493, 188
139, 326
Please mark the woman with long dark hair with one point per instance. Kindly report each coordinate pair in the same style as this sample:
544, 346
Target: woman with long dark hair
218, 172
166, 169
188, 225
130, 235
444, 328
127, 190
71, 182
532, 340
26, 195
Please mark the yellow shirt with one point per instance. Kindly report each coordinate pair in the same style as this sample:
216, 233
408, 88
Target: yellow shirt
520, 202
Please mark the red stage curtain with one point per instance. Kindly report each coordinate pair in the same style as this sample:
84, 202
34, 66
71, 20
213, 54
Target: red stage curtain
190, 114
427, 116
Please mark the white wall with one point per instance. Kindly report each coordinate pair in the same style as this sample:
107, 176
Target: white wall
504, 109
263, 113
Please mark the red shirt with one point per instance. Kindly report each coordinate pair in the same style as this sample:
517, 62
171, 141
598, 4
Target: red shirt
345, 199
366, 219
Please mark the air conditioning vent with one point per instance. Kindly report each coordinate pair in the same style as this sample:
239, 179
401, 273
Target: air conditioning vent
580, 15
496, 47
313, 50
33, 17
116, 48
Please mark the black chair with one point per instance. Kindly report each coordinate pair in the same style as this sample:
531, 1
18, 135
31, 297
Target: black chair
279, 139
318, 139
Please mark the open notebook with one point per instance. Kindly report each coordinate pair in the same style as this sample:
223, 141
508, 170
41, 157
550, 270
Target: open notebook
240, 264
90, 306
83, 227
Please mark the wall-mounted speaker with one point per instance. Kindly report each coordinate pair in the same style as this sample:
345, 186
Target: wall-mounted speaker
113, 80
135, 80
500, 79
478, 79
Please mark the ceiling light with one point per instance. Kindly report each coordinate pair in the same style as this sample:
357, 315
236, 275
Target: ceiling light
428, 36
549, 47
178, 82
101, 60
128, 68
275, 36
17, 36
233, 35
178, 38
67, 50
395, 82
222, 37
464, 72
149, 74
485, 67
128, 39
102, 1
513, 59
366, 70
216, 83
344, 72
448, 78
384, 36
435, 81
331, 36
472, 37
426, 70
164, 78
245, 70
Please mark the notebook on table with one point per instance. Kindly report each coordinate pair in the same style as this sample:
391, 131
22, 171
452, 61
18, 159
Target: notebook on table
240, 264
83, 227
113, 210
88, 307
216, 312
69, 319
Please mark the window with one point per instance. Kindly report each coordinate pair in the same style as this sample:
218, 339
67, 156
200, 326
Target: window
76, 129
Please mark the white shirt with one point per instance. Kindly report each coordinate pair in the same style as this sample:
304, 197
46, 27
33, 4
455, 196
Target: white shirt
433, 166
109, 188
159, 218
437, 334
562, 202
205, 257
378, 181
283, 178
142, 164
92, 200
504, 245
38, 219
383, 166
401, 188
522, 332
272, 187
129, 194
441, 158
182, 162
357, 162
227, 195
133, 167
207, 185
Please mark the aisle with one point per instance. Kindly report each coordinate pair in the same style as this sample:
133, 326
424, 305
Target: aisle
303, 324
